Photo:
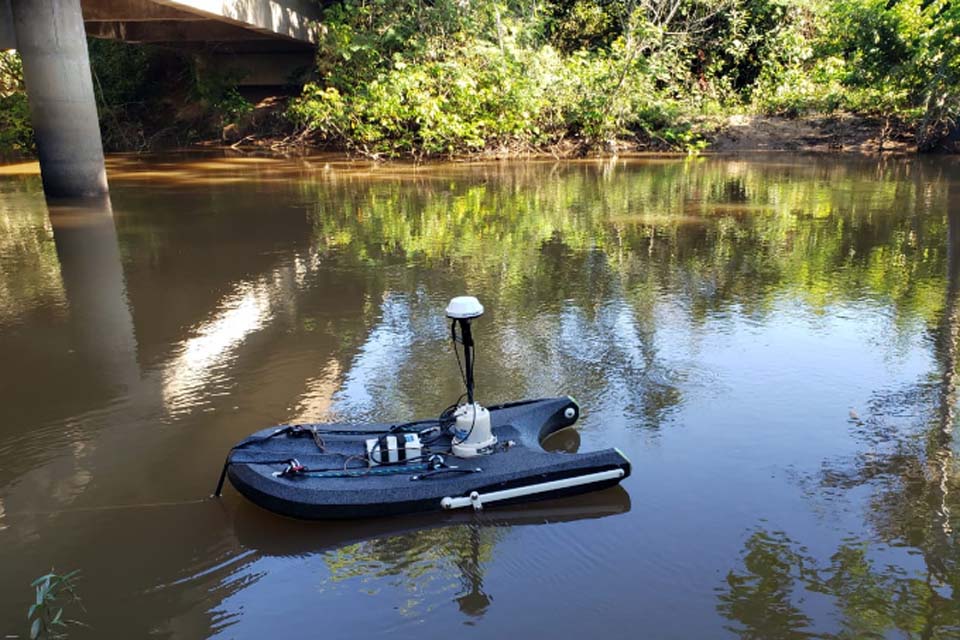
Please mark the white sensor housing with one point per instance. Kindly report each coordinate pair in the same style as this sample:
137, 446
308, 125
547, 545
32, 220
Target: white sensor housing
472, 435
464, 308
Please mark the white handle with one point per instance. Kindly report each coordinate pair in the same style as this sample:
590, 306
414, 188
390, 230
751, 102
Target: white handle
477, 500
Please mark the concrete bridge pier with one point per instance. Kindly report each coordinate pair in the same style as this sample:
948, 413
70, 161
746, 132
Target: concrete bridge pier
52, 43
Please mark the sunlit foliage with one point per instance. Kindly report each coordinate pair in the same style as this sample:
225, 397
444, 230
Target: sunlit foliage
408, 78
404, 78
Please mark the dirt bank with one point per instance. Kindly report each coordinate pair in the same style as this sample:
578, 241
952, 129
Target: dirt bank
841, 133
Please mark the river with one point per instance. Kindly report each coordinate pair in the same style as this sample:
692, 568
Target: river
772, 341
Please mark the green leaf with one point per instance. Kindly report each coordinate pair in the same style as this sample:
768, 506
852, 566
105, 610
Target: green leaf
35, 629
31, 610
43, 578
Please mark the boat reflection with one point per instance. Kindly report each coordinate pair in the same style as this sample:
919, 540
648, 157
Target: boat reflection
269, 535
421, 554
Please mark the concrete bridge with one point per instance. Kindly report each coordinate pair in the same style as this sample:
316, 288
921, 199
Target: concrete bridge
263, 40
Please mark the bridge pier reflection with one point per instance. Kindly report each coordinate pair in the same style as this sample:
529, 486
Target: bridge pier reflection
92, 274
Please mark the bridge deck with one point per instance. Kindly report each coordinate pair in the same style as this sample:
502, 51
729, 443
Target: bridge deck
288, 25
202, 20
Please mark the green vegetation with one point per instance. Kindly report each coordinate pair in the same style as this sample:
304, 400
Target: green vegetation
408, 78
16, 135
402, 77
45, 616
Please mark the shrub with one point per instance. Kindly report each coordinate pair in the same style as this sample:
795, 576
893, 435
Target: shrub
16, 134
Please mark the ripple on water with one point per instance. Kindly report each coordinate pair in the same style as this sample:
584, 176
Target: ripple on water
716, 318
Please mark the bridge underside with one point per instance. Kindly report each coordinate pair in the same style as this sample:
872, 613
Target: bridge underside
253, 25
261, 42
182, 21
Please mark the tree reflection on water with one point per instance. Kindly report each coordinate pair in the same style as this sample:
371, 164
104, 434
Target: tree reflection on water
767, 596
414, 561
581, 266
909, 467
600, 280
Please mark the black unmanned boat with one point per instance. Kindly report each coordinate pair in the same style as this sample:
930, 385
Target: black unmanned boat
468, 457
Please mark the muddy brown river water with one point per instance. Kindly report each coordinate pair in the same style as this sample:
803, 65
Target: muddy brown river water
772, 340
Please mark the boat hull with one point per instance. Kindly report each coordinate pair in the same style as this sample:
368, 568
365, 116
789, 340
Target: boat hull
520, 472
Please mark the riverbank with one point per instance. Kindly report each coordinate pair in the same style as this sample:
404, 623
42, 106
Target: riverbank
265, 129
582, 79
